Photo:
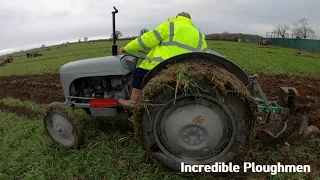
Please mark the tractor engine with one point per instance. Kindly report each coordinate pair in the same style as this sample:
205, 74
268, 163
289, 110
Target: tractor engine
95, 87
100, 87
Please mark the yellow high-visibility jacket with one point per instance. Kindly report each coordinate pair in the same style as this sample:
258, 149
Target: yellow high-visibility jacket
174, 37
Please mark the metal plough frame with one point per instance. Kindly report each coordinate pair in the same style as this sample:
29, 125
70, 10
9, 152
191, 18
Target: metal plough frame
267, 107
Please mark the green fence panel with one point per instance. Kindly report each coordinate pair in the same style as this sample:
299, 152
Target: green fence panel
306, 44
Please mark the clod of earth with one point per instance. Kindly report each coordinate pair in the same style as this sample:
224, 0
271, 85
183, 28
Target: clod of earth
311, 132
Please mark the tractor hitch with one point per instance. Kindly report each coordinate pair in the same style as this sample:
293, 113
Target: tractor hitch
293, 101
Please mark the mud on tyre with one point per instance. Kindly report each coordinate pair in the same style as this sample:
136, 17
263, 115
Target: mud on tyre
63, 126
201, 128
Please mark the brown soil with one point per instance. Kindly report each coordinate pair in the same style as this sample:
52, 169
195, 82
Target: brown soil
43, 89
47, 88
21, 110
271, 83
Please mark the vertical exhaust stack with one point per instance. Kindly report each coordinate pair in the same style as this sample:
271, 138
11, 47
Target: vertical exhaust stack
114, 45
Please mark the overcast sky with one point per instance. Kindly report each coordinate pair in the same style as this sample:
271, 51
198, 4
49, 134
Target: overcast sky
31, 23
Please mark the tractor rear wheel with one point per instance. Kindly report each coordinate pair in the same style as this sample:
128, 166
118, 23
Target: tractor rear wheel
63, 126
193, 128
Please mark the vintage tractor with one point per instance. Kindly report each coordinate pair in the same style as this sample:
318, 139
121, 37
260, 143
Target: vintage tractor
196, 108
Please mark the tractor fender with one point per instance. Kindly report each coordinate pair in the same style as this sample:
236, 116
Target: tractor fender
216, 59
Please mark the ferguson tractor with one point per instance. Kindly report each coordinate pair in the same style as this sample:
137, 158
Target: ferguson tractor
196, 108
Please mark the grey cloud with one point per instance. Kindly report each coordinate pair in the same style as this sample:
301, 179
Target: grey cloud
26, 23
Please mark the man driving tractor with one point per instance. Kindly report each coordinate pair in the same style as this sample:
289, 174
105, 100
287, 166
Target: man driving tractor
176, 36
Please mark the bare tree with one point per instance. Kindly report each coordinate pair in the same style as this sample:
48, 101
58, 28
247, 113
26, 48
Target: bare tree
79, 40
43, 46
302, 30
281, 30
118, 34
85, 39
142, 31
313, 36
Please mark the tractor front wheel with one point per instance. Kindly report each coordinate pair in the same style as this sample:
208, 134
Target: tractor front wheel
63, 126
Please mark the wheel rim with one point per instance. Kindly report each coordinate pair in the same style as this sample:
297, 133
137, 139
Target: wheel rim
60, 129
194, 129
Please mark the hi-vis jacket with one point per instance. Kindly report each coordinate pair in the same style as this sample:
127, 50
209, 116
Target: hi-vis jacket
174, 37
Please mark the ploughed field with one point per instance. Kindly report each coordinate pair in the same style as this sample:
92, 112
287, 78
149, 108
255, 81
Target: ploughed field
47, 88
110, 151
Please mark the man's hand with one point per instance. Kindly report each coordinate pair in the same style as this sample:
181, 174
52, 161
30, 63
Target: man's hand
122, 50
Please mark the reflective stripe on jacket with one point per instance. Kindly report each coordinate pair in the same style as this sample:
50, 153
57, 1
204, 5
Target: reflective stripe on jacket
172, 38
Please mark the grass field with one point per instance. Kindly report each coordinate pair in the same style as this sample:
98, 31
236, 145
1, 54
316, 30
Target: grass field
252, 58
110, 150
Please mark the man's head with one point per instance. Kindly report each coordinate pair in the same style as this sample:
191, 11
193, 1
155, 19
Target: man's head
184, 14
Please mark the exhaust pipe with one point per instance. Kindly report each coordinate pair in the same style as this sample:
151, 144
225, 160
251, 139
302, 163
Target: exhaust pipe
114, 45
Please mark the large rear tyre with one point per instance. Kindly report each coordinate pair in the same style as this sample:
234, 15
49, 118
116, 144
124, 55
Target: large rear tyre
195, 129
63, 126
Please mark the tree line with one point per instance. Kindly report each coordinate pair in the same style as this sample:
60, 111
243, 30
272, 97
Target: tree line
300, 29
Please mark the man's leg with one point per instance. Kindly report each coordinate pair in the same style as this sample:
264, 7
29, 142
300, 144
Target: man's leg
135, 94
136, 88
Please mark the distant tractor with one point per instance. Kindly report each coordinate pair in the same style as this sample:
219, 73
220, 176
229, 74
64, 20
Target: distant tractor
263, 42
196, 108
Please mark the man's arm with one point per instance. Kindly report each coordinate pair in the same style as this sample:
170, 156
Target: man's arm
149, 39
204, 42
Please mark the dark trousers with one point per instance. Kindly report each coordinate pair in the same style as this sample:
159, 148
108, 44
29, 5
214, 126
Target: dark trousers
138, 76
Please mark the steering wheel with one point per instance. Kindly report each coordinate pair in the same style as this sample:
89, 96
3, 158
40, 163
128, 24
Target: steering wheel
136, 55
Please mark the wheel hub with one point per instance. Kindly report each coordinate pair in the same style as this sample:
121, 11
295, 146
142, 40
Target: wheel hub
193, 136
192, 129
60, 129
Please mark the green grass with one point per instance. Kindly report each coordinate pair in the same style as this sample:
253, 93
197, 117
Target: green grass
27, 153
28, 104
251, 57
110, 151
273, 60
51, 61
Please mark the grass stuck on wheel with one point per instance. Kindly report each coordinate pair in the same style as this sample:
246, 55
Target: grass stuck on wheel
194, 113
